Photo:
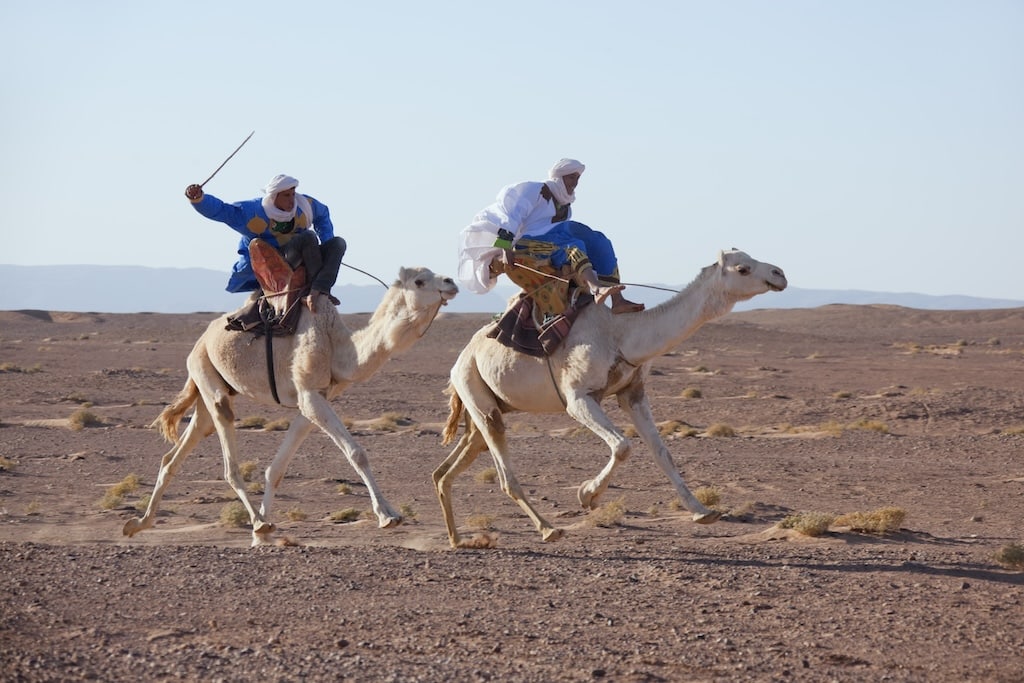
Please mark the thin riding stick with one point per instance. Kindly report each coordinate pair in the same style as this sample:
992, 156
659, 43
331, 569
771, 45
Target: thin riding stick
227, 160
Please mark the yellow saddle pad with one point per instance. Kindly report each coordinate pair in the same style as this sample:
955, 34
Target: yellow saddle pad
546, 285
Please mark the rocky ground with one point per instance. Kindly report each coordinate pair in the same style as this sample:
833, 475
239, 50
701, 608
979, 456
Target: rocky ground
835, 410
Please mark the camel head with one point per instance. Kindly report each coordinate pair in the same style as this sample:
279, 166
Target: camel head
423, 289
745, 277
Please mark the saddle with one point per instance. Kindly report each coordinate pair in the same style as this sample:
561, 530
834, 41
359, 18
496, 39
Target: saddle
277, 311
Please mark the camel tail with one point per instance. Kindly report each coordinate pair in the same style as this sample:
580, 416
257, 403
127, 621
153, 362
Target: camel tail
455, 407
169, 418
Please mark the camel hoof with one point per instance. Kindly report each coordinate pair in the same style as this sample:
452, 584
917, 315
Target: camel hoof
586, 497
707, 518
263, 528
552, 535
391, 522
132, 527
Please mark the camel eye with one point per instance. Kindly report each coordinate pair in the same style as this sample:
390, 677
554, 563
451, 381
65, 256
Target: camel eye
743, 270
419, 284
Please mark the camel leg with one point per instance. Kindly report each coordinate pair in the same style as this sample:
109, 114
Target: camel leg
297, 432
199, 427
317, 409
493, 431
216, 396
462, 456
639, 410
587, 411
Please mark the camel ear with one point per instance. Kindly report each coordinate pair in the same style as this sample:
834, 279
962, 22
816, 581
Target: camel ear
721, 258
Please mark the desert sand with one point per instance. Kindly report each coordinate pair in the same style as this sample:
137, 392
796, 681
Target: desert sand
833, 410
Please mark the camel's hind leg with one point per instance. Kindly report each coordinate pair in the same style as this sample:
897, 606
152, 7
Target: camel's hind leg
199, 427
635, 403
217, 398
462, 456
492, 428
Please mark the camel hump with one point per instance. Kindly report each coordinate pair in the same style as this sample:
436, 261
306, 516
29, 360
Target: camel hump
272, 271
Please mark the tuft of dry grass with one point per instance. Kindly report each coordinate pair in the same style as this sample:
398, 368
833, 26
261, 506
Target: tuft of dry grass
487, 476
247, 469
675, 427
280, 425
480, 522
1013, 431
609, 514
80, 419
720, 430
870, 425
407, 511
344, 488
234, 514
389, 422
34, 508
880, 521
251, 422
708, 495
11, 367
808, 523
296, 515
6, 464
691, 392
114, 495
344, 515
1011, 556
842, 395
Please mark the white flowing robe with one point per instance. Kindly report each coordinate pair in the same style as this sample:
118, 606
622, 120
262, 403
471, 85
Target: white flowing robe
520, 209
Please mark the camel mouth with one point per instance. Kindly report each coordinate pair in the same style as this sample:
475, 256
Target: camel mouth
775, 288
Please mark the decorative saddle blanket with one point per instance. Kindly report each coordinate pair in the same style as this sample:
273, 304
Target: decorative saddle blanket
524, 328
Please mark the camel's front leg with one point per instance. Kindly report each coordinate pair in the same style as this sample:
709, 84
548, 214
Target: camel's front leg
317, 409
297, 432
635, 403
587, 411
199, 427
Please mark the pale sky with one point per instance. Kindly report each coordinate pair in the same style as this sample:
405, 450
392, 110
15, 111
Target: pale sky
869, 144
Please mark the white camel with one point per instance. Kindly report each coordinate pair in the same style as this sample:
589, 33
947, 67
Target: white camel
604, 354
312, 367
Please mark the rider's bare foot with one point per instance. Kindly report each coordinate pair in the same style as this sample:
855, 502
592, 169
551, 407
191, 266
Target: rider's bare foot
600, 293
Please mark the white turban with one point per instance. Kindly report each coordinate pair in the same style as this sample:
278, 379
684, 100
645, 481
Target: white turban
565, 167
278, 183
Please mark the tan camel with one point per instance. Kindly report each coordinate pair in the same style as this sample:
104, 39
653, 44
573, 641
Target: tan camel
312, 367
603, 355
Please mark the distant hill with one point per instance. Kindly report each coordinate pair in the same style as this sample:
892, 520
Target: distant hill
135, 289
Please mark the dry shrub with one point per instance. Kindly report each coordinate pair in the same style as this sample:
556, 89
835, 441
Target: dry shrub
6, 464
280, 425
11, 367
880, 521
671, 427
722, 430
247, 469
1014, 431
808, 523
80, 419
1011, 556
610, 514
296, 515
234, 514
143, 502
344, 488
691, 392
33, 508
114, 495
389, 422
480, 522
254, 487
407, 511
487, 476
709, 496
842, 394
345, 515
251, 422
870, 425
